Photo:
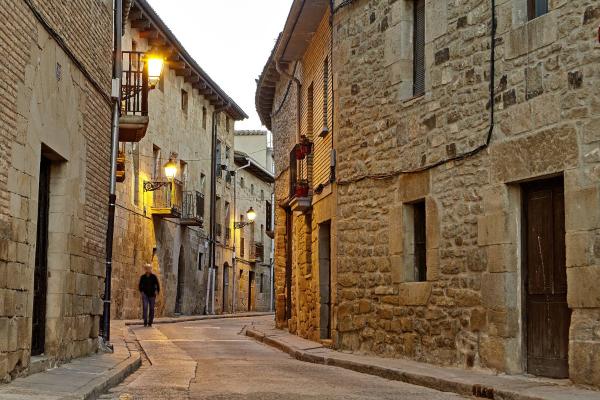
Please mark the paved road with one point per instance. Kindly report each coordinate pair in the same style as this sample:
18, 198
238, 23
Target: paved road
212, 360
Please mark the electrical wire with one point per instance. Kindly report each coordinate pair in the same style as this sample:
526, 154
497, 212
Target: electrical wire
492, 103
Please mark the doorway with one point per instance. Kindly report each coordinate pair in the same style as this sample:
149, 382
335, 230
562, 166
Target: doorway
180, 283
325, 279
40, 282
289, 230
251, 280
547, 315
225, 307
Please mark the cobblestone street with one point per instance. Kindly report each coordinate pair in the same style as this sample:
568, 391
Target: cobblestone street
214, 360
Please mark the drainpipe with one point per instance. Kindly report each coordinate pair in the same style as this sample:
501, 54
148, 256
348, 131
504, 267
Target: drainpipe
234, 261
213, 214
116, 95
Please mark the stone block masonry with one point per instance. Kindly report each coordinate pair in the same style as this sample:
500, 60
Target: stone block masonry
395, 150
54, 92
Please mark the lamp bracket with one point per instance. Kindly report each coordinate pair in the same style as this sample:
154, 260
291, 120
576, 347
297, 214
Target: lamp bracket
153, 186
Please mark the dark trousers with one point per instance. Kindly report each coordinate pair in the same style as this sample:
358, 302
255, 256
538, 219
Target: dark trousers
148, 302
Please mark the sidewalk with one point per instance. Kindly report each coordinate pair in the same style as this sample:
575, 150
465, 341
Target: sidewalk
480, 384
190, 318
83, 378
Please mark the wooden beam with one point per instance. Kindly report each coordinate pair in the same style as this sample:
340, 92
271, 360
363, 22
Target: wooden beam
183, 72
149, 34
141, 24
135, 14
192, 79
176, 64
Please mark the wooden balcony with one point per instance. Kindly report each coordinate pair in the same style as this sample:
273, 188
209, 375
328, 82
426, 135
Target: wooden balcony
192, 213
167, 198
133, 121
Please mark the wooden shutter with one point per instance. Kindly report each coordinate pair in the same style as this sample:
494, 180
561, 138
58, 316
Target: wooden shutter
419, 49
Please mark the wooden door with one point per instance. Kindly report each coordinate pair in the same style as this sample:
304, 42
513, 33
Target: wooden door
289, 232
40, 279
225, 307
548, 316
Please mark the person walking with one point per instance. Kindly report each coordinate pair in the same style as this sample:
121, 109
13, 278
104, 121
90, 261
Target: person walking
149, 289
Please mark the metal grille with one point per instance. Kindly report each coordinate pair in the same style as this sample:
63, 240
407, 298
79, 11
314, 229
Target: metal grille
134, 87
419, 48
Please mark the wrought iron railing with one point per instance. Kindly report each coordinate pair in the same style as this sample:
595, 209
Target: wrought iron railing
134, 85
193, 206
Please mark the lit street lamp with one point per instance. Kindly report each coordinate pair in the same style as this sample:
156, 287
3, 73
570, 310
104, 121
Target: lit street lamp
251, 215
155, 64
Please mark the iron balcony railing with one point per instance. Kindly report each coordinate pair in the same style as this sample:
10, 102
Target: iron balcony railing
134, 85
193, 207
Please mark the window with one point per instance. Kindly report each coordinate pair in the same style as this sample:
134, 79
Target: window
420, 241
252, 188
262, 195
155, 162
200, 259
227, 213
203, 183
183, 167
310, 109
184, 101
227, 163
204, 117
268, 212
242, 183
419, 48
242, 247
536, 8
218, 157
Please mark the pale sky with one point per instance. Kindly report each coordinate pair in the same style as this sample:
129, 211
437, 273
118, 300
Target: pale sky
230, 39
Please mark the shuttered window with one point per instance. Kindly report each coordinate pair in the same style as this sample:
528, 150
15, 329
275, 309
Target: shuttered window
419, 48
537, 8
310, 113
325, 95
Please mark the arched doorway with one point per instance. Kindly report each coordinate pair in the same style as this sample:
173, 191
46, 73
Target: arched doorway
180, 282
225, 306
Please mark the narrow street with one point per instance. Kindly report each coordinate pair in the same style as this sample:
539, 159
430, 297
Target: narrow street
214, 360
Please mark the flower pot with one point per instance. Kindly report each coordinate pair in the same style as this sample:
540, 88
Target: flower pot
299, 153
301, 190
306, 148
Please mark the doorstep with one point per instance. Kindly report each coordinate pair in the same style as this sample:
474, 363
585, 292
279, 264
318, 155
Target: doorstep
481, 384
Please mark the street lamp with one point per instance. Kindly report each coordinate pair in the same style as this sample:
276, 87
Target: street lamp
251, 215
155, 63
170, 169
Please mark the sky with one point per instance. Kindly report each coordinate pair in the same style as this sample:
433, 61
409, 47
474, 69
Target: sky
230, 39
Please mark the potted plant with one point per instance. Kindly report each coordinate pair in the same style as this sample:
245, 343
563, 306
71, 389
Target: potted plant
299, 151
301, 189
305, 145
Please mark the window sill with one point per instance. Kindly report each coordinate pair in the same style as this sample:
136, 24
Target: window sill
413, 99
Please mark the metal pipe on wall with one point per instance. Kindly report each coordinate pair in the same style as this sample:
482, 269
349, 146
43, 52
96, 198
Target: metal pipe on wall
116, 95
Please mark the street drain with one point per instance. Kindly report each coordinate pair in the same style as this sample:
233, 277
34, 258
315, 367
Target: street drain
483, 392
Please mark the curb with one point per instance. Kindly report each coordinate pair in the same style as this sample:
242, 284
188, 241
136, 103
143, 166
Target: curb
175, 320
459, 386
109, 379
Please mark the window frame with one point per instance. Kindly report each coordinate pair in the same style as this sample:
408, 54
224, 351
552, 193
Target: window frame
532, 9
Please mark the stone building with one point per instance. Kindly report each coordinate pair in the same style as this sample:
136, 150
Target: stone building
295, 101
55, 119
254, 242
159, 220
467, 206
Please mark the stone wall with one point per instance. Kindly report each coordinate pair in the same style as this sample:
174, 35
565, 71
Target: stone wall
55, 103
467, 313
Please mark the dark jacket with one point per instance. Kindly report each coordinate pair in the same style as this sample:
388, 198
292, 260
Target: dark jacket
149, 285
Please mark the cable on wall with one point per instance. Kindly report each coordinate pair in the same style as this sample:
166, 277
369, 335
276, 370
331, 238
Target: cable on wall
485, 145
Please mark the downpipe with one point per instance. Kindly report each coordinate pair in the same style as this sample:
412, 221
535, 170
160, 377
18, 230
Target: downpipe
116, 95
